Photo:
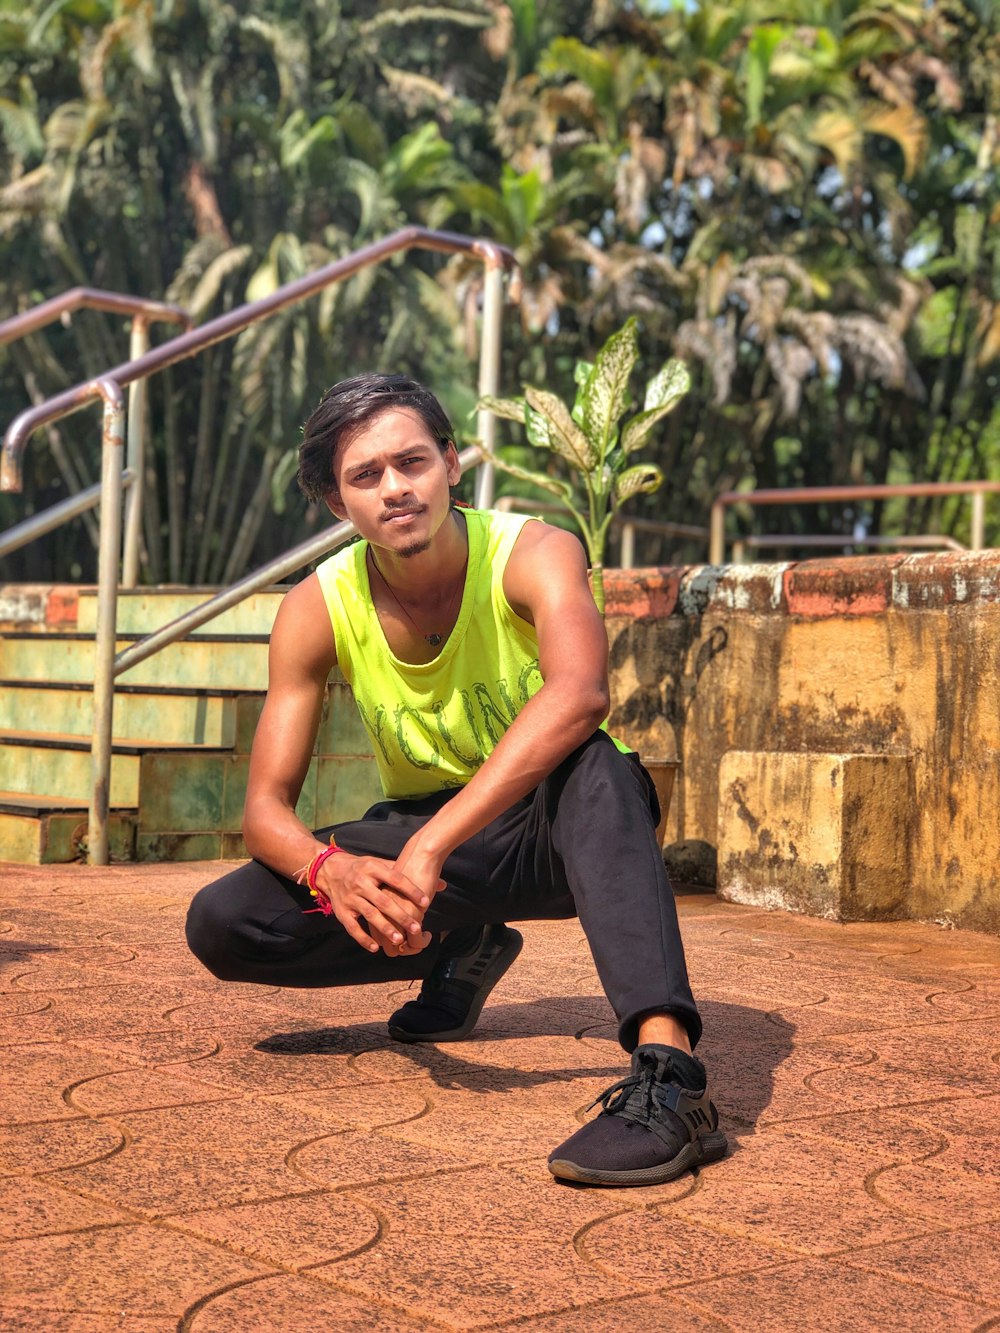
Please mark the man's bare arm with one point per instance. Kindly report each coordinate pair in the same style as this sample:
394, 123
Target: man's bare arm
545, 582
300, 658
302, 655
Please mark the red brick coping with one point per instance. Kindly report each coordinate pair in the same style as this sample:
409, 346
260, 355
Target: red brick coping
809, 589
25, 606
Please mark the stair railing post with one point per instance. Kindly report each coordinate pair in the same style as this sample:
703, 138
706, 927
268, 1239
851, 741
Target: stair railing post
978, 540
109, 554
717, 533
135, 454
489, 369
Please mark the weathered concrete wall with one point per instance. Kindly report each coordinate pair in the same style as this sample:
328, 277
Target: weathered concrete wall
885, 655
827, 834
891, 656
27, 607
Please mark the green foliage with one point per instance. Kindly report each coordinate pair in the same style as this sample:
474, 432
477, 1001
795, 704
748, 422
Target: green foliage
251, 150
586, 436
799, 201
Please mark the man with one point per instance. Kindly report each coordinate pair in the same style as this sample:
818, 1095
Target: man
479, 663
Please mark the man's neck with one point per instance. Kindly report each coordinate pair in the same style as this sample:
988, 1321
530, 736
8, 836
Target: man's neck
429, 575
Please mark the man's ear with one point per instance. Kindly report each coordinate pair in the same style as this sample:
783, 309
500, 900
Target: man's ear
332, 502
452, 464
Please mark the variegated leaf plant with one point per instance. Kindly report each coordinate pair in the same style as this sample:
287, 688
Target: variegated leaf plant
591, 440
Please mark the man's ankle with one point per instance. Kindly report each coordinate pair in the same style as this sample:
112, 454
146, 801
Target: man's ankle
661, 1028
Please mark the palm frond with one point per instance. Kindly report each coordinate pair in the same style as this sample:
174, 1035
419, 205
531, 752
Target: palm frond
791, 362
31, 193
290, 50
196, 261
905, 126
713, 343
21, 130
401, 18
211, 281
877, 353
415, 91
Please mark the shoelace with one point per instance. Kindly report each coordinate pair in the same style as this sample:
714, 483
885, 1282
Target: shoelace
616, 1099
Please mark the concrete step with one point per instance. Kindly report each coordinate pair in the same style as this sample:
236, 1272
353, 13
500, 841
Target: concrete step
223, 662
176, 799
142, 610
188, 802
51, 764
189, 715
45, 608
177, 786
43, 830
224, 718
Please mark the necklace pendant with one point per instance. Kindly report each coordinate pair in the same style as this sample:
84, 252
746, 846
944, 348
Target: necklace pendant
433, 639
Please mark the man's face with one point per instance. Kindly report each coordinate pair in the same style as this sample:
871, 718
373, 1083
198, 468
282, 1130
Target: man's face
393, 482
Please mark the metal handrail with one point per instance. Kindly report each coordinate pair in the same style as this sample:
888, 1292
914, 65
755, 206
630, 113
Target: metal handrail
143, 313
47, 520
89, 298
629, 524
818, 494
928, 541
497, 259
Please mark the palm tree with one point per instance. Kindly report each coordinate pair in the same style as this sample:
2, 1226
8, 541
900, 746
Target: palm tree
763, 161
218, 168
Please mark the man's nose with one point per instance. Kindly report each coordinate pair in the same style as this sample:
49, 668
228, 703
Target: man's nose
395, 485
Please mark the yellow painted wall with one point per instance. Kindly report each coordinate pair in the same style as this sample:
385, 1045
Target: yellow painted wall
892, 655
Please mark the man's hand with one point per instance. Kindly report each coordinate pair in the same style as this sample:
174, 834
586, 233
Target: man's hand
421, 867
424, 873
378, 892
413, 945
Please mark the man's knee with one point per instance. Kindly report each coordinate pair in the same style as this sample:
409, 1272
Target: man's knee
246, 927
600, 765
207, 931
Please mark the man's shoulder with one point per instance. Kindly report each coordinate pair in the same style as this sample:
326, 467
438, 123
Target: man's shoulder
526, 536
501, 531
340, 563
547, 563
302, 630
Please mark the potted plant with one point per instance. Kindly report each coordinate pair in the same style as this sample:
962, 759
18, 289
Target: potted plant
598, 448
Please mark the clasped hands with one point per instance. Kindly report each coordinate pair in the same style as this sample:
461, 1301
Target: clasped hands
381, 903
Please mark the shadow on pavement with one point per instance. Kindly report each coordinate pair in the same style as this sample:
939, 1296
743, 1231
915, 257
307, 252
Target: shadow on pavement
742, 1048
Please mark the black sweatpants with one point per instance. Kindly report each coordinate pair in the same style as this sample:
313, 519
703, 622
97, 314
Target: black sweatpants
581, 844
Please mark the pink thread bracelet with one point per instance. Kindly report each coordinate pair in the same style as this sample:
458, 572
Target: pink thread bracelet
307, 876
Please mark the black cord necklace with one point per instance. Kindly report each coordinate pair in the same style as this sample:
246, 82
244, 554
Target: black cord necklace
434, 638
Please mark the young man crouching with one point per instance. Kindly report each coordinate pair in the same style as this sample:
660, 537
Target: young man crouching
479, 663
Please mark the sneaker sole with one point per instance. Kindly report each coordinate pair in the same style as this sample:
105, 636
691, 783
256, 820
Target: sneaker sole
710, 1148
491, 976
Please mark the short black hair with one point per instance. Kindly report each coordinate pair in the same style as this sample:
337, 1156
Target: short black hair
348, 406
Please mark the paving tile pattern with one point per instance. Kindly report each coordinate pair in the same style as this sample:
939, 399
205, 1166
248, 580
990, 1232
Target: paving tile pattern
176, 1154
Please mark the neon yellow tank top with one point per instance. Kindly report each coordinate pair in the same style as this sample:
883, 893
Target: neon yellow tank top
432, 724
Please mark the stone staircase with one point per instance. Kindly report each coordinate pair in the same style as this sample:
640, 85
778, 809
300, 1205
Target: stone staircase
183, 725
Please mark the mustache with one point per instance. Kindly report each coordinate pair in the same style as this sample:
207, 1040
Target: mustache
399, 510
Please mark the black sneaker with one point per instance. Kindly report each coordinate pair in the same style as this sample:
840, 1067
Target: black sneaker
654, 1125
472, 961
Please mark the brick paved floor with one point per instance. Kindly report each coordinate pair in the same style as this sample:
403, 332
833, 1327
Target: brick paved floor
178, 1154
